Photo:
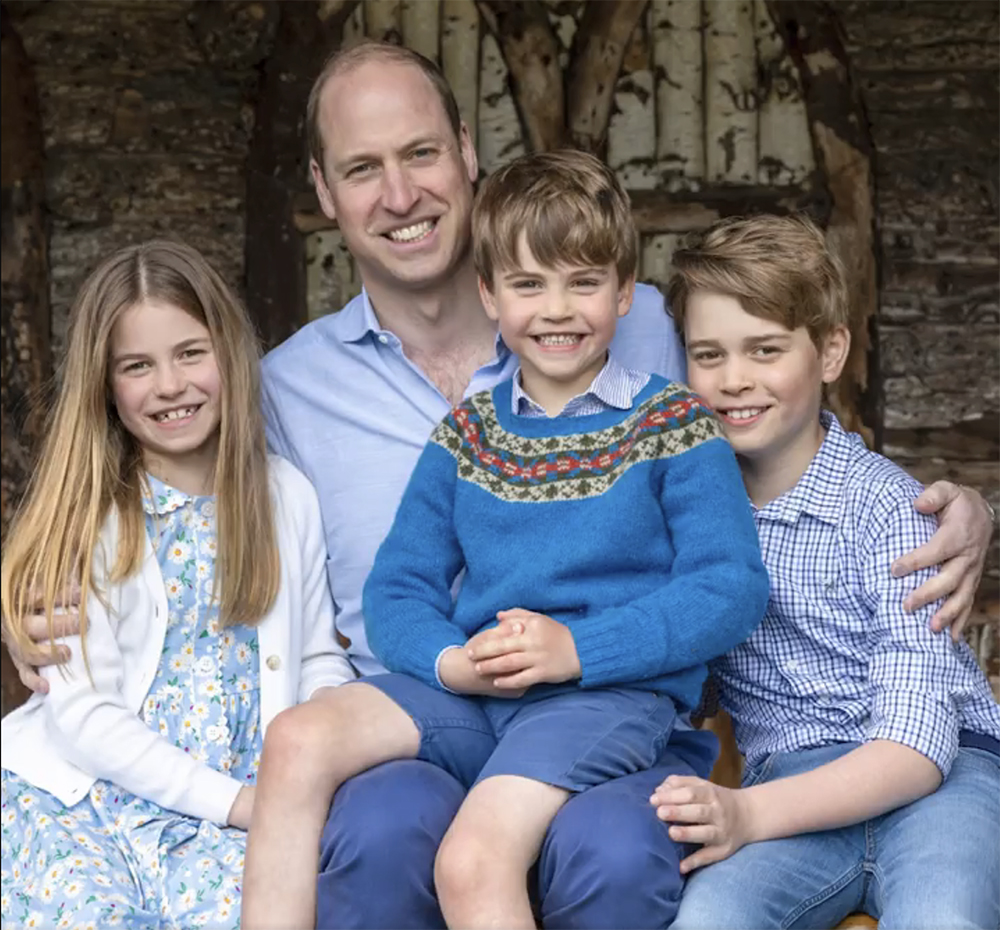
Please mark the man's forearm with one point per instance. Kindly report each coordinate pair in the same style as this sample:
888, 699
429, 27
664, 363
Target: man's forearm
874, 778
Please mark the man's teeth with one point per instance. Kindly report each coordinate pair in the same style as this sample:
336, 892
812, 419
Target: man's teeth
558, 339
176, 414
410, 233
745, 414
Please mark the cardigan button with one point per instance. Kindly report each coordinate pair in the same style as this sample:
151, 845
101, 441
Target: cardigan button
273, 663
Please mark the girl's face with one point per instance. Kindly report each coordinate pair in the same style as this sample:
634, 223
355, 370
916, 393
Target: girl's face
166, 387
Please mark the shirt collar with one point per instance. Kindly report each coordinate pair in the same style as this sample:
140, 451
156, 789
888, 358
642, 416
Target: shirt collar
357, 320
610, 387
817, 492
160, 499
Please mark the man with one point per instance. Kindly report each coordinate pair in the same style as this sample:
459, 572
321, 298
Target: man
352, 398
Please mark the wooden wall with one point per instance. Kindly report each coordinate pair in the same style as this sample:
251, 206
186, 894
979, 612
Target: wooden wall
147, 123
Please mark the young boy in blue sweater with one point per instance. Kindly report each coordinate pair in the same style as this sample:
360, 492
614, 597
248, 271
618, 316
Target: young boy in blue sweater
873, 761
605, 545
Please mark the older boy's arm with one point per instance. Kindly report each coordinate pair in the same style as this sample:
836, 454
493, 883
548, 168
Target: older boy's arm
870, 780
959, 546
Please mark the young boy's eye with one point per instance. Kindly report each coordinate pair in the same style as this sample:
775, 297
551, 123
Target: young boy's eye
705, 356
766, 351
526, 285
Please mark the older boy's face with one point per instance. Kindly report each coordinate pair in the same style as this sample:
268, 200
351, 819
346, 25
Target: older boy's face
396, 179
765, 382
558, 321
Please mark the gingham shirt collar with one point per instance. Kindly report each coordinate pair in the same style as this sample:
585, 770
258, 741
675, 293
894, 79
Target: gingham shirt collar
614, 387
817, 492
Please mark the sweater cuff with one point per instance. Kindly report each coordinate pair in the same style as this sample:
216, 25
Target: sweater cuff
437, 668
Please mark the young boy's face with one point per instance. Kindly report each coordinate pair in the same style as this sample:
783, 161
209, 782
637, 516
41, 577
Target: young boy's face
764, 381
558, 321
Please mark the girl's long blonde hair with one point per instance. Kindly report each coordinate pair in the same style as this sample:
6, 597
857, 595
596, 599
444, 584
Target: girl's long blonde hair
90, 463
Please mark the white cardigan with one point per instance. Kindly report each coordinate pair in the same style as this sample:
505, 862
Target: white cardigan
64, 741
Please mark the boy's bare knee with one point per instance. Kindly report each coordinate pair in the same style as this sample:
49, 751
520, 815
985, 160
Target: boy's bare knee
463, 865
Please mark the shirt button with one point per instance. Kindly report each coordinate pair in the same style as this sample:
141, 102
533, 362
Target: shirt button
383, 338
206, 665
273, 663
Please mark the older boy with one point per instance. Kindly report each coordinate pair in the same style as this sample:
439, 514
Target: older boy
873, 761
607, 549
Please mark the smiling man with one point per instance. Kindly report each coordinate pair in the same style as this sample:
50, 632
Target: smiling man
352, 398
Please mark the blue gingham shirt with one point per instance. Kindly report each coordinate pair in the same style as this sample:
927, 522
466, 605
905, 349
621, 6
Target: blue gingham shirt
836, 659
614, 387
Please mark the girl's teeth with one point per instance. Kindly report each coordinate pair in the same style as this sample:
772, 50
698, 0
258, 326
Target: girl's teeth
409, 233
176, 414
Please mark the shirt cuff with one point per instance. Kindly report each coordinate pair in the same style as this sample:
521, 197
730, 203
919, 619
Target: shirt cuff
437, 668
917, 721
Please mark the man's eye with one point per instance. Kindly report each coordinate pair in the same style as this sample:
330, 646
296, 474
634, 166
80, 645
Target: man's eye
425, 151
359, 170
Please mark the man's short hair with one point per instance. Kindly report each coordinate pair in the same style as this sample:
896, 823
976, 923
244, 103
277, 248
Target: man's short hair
778, 267
568, 204
344, 59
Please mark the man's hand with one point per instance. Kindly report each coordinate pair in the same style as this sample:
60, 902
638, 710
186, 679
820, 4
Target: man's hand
526, 649
242, 809
27, 660
959, 546
713, 816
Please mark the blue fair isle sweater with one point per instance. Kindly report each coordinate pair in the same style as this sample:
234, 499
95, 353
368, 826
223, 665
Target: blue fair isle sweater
632, 527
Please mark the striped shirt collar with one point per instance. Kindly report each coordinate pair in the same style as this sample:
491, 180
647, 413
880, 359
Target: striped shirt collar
817, 493
614, 387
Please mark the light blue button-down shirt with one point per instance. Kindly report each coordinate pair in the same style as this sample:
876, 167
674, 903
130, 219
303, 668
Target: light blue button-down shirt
345, 405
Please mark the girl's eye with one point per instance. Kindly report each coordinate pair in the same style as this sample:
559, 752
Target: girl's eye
134, 366
192, 353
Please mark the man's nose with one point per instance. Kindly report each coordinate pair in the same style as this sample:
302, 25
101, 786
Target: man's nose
399, 193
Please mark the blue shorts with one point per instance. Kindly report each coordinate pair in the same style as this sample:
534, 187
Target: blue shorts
569, 737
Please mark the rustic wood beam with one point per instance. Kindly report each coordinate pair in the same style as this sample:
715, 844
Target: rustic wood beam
657, 211
843, 150
277, 166
531, 50
598, 50
25, 356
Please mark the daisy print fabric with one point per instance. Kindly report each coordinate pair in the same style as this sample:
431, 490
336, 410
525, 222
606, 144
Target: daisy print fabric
116, 859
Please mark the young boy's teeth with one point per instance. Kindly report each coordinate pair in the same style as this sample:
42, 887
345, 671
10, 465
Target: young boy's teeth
409, 233
176, 414
745, 414
566, 339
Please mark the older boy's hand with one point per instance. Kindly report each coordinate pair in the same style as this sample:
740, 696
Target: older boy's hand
711, 815
525, 649
959, 547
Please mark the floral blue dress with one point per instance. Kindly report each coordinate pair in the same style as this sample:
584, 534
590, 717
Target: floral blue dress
117, 859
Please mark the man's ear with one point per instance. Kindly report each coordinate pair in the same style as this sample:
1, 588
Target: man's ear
322, 191
489, 301
833, 354
625, 294
468, 151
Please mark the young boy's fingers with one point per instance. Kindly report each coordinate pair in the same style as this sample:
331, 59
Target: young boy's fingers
506, 664
704, 856
703, 834
519, 680
494, 646
685, 813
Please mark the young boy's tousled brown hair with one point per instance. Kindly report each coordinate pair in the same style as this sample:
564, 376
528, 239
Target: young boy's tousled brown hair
778, 267
568, 204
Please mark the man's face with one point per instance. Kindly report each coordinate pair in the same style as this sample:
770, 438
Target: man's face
394, 176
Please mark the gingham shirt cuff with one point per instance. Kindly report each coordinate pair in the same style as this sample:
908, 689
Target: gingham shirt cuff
918, 721
437, 668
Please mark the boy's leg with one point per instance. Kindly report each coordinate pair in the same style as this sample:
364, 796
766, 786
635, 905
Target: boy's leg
482, 865
378, 847
309, 751
937, 860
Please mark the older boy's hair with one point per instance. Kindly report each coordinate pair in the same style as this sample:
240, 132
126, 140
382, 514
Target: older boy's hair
352, 56
568, 204
778, 267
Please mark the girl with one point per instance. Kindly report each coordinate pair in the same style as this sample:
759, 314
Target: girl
204, 612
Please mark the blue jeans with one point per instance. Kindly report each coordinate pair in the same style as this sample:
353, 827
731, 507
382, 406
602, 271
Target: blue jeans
933, 864
606, 862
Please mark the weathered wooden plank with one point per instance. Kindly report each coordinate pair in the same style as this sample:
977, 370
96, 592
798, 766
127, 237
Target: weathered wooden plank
937, 189
383, 20
24, 307
530, 51
596, 59
918, 135
678, 61
656, 257
500, 137
936, 92
421, 21
460, 57
330, 273
784, 146
632, 126
730, 92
